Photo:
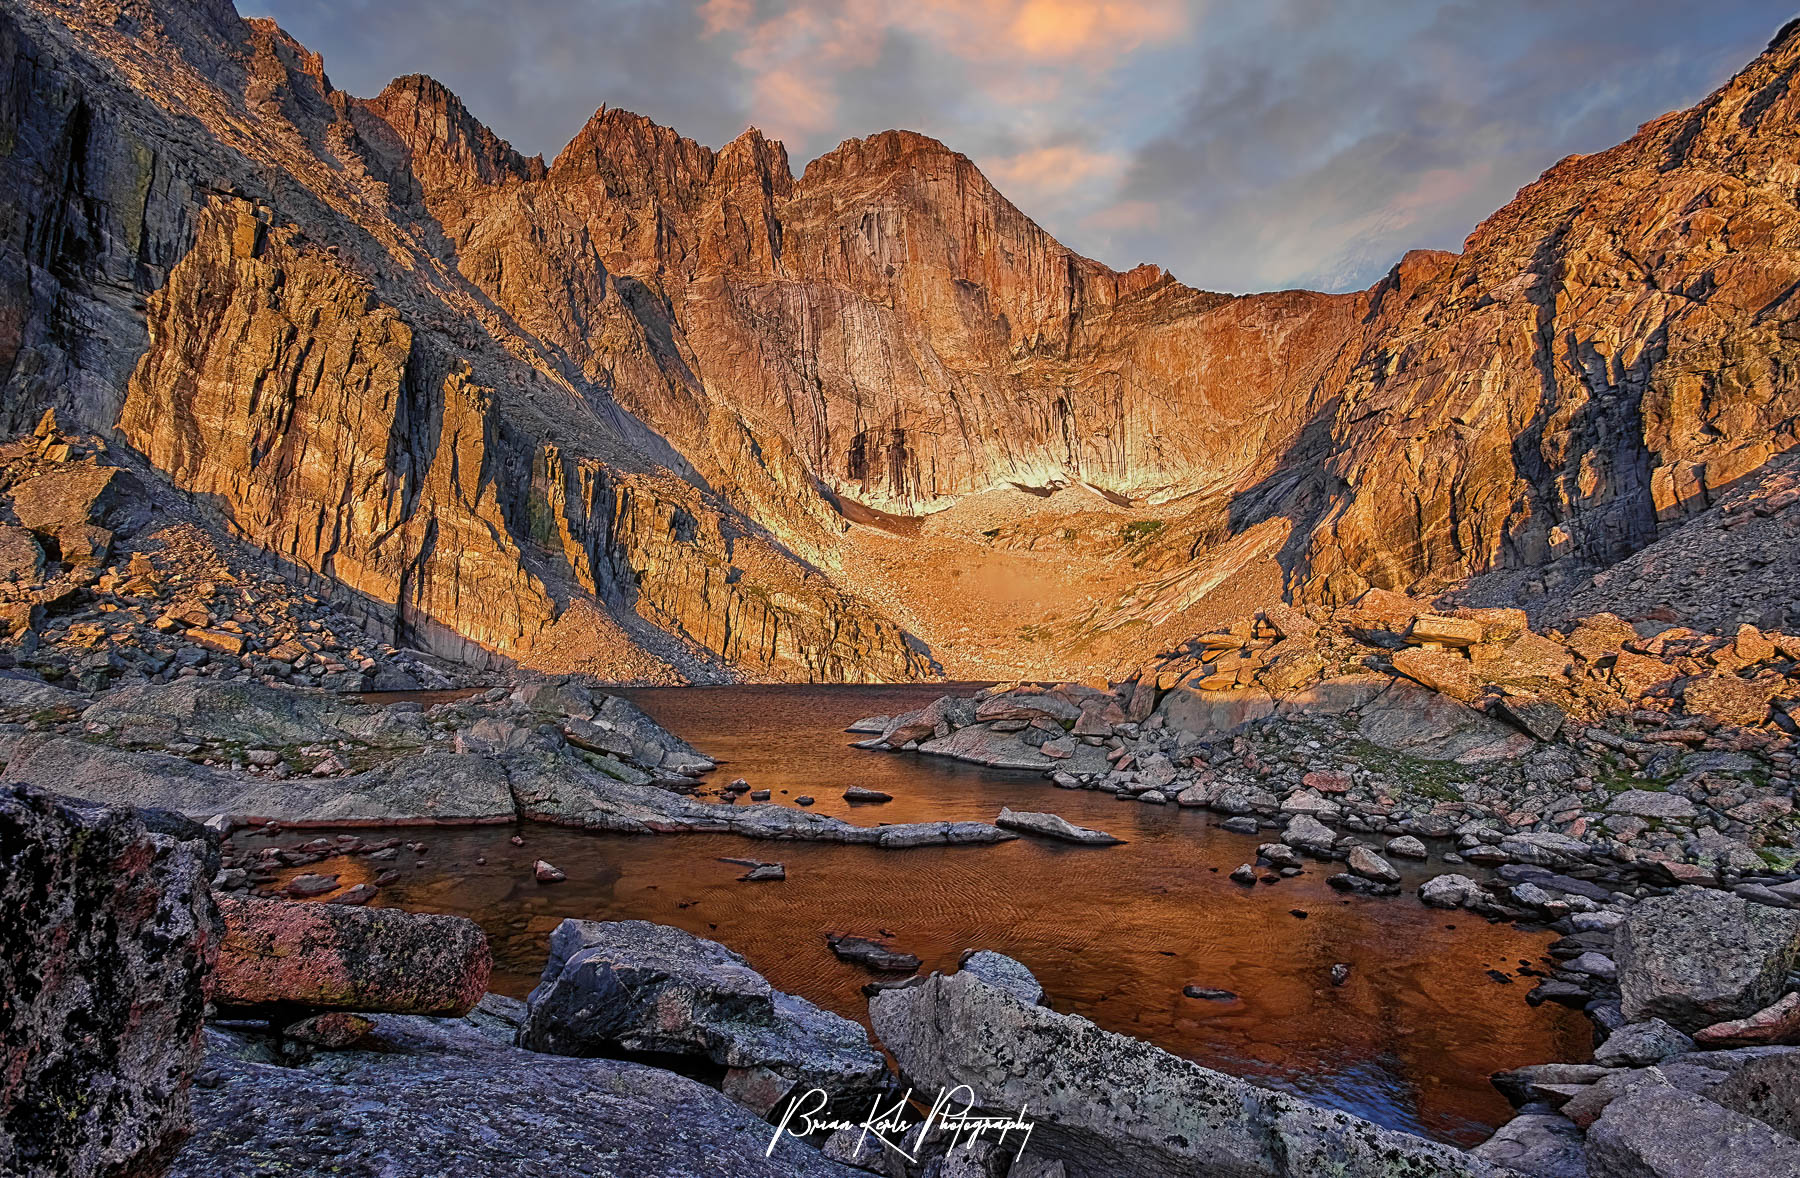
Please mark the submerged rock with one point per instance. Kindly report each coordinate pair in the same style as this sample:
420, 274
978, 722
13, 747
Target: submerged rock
108, 933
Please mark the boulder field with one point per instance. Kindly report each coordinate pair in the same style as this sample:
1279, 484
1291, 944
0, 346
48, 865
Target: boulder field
1646, 749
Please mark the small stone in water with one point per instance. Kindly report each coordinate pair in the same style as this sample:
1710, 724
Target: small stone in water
1340, 973
311, 885
545, 873
1210, 995
362, 893
803, 800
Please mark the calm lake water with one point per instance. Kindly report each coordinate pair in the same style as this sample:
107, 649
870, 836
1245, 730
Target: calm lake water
1113, 933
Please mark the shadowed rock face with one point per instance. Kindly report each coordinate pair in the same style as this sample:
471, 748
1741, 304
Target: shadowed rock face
602, 413
456, 1097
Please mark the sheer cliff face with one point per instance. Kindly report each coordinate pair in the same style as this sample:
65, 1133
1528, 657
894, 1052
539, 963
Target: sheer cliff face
611, 412
207, 250
1610, 350
889, 317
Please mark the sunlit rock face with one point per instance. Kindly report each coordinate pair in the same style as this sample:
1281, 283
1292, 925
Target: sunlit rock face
611, 412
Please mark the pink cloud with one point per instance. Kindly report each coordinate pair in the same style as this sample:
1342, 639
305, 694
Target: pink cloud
1054, 169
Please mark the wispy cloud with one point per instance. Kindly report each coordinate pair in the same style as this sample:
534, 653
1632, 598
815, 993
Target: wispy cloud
1243, 145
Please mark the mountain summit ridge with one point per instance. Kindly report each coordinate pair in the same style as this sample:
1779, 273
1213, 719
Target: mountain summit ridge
713, 418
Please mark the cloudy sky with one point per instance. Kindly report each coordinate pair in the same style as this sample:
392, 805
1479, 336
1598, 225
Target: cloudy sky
1243, 144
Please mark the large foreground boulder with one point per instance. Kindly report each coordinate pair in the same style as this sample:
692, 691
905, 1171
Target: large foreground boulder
1654, 1131
424, 1097
1700, 956
106, 934
1110, 1106
287, 953
632, 987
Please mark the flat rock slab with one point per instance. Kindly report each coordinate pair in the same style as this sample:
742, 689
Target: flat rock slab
422, 787
427, 1097
1053, 826
250, 712
562, 790
1107, 1104
342, 957
1776, 1025
980, 745
1648, 803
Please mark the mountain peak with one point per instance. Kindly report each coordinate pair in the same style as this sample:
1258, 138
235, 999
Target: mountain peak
880, 151
635, 157
443, 144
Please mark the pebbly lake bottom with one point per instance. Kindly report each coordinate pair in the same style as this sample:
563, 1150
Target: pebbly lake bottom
1113, 933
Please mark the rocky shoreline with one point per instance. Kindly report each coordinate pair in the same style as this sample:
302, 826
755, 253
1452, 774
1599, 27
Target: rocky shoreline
1349, 739
347, 1040
1595, 777
1604, 774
